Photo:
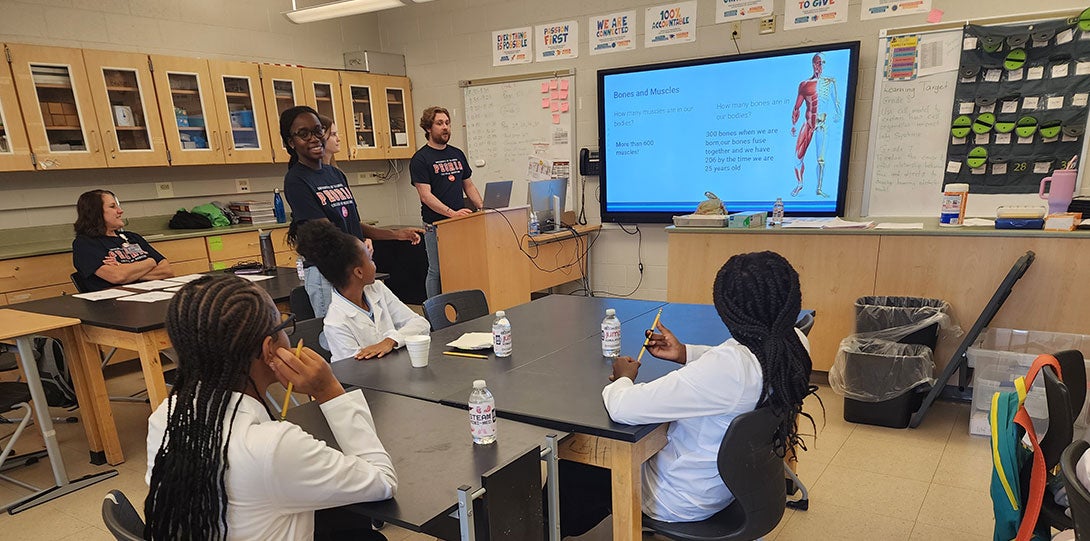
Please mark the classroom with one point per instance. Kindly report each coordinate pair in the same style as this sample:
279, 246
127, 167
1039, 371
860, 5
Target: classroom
863, 481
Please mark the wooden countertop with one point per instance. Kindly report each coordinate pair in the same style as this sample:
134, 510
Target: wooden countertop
931, 227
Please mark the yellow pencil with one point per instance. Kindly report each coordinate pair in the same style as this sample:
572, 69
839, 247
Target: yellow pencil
460, 354
287, 396
648, 339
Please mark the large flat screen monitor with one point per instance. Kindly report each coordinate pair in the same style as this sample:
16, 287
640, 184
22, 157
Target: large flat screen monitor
748, 128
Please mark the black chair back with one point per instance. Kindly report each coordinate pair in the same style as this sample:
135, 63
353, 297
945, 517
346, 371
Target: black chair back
1078, 497
78, 282
121, 518
1061, 423
468, 304
1073, 371
308, 331
753, 472
299, 302
805, 323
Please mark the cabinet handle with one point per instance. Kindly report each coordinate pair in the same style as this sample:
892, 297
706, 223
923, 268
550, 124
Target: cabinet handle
96, 147
8, 277
251, 244
113, 148
216, 139
230, 141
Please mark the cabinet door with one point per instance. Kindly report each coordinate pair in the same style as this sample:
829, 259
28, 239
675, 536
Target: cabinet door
183, 86
322, 90
56, 102
282, 87
358, 134
124, 97
399, 130
14, 148
241, 111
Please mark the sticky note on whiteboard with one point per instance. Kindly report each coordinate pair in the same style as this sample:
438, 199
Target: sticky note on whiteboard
556, 118
563, 107
544, 87
545, 103
563, 84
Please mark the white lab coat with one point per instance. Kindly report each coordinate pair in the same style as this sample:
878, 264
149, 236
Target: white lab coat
681, 483
347, 327
278, 475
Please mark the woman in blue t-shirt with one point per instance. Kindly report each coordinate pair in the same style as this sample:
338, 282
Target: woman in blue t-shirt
103, 253
317, 191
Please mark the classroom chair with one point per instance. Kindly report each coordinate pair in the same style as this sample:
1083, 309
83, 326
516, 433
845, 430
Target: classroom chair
309, 331
753, 472
121, 517
1078, 497
300, 305
1057, 437
15, 396
467, 304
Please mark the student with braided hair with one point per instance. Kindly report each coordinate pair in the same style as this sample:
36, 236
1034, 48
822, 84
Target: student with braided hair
766, 362
365, 319
219, 466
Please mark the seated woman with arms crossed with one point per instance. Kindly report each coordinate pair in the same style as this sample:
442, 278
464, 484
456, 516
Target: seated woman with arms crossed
766, 362
219, 466
103, 253
365, 318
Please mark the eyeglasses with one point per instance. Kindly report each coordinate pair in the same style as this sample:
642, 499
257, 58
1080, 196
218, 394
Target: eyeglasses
306, 133
287, 324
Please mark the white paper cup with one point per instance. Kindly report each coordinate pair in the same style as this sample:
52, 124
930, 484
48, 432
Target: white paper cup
419, 346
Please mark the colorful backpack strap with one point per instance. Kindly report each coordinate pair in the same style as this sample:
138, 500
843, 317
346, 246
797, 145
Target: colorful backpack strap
1038, 475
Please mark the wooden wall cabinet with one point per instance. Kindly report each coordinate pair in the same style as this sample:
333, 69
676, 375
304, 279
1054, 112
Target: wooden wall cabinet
14, 147
190, 122
282, 87
55, 99
227, 250
380, 124
125, 105
322, 91
240, 108
399, 127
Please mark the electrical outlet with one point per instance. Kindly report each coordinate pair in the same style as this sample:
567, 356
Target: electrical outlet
242, 185
768, 25
736, 31
369, 177
164, 189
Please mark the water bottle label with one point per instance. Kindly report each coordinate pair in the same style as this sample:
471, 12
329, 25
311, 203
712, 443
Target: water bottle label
611, 337
482, 420
501, 343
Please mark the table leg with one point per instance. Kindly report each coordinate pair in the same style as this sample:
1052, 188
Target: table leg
41, 408
100, 413
149, 345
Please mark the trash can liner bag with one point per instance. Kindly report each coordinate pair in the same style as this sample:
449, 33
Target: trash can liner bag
875, 370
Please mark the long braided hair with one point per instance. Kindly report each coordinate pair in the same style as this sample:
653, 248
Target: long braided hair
758, 297
217, 325
286, 118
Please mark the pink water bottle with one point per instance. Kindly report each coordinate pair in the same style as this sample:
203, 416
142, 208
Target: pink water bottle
1061, 188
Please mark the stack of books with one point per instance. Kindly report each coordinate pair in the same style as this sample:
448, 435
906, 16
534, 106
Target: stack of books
253, 212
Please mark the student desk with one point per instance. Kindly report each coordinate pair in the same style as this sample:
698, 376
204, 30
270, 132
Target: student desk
434, 454
137, 326
21, 326
554, 379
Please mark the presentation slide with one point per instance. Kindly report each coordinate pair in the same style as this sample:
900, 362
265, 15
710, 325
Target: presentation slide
748, 131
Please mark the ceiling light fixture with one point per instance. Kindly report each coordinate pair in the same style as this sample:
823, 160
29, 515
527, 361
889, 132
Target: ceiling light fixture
333, 10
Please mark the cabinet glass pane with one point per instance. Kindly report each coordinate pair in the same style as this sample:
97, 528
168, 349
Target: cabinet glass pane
185, 91
240, 105
323, 95
285, 95
362, 117
5, 141
57, 102
395, 101
127, 109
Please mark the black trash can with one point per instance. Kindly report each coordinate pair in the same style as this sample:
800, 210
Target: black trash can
883, 382
878, 313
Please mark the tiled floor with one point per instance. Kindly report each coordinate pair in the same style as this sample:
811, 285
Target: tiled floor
866, 483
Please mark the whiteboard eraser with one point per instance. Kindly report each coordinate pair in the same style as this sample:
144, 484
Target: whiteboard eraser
478, 163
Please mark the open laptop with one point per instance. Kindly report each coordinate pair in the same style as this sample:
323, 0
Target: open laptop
497, 195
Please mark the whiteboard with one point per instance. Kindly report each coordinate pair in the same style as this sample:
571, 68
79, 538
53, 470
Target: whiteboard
908, 134
507, 123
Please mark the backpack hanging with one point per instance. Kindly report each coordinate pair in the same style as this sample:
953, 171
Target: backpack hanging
53, 371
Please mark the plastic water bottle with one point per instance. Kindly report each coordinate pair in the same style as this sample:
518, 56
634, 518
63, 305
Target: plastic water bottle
777, 212
611, 334
299, 268
534, 226
482, 414
501, 335
278, 207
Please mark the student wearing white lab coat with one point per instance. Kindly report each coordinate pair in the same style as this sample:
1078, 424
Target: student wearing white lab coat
365, 319
766, 362
219, 466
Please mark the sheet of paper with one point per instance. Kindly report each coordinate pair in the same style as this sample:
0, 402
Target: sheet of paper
806, 223
103, 295
174, 289
837, 223
151, 285
896, 226
256, 277
151, 296
978, 222
185, 279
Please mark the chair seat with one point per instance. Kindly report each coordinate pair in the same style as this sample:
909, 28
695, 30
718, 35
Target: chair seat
721, 526
12, 393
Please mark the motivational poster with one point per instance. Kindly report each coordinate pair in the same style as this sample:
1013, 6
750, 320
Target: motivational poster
557, 41
670, 24
874, 9
612, 33
513, 46
736, 10
801, 14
